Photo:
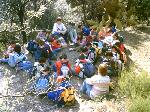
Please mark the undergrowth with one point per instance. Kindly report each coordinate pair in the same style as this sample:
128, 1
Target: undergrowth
136, 88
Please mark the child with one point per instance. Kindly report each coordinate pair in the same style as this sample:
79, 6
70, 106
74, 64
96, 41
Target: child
62, 66
9, 50
55, 46
97, 84
38, 67
42, 35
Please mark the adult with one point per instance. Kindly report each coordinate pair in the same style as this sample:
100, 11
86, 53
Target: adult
72, 32
97, 84
59, 29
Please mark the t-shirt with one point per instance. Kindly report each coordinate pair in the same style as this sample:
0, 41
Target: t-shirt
58, 27
100, 85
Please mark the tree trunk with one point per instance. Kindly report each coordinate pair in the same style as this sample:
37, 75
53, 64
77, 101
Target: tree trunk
84, 11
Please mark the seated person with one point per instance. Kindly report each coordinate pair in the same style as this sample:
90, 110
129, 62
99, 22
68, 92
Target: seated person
97, 84
38, 67
60, 29
16, 57
62, 66
9, 50
42, 35
55, 45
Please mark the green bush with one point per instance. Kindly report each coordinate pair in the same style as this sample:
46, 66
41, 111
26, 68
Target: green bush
136, 88
132, 85
139, 105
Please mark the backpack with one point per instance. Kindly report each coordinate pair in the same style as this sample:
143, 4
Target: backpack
41, 84
31, 46
91, 55
61, 69
56, 94
64, 70
67, 97
89, 70
86, 31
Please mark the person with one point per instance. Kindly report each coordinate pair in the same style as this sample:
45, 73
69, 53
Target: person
9, 50
62, 66
59, 29
97, 84
38, 67
72, 32
42, 35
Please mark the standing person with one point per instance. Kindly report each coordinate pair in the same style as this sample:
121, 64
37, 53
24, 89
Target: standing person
60, 29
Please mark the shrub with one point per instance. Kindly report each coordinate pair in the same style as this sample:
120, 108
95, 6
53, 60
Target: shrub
139, 105
136, 88
133, 85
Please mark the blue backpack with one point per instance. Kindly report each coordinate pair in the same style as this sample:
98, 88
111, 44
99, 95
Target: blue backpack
89, 70
31, 46
86, 31
41, 84
55, 95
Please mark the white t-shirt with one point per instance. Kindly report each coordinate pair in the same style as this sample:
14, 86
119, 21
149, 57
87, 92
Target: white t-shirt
59, 28
100, 85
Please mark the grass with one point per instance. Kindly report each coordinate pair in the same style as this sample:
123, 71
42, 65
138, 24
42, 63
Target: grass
136, 88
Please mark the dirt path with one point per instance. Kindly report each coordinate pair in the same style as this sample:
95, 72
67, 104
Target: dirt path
138, 42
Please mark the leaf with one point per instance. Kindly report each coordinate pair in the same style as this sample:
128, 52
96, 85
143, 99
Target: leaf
91, 22
118, 24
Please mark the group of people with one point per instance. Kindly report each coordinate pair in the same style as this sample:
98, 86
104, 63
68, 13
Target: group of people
105, 48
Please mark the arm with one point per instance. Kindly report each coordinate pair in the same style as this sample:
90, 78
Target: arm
54, 28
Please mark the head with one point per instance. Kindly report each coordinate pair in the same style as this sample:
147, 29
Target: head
63, 58
115, 36
88, 45
42, 60
115, 49
80, 26
41, 43
13, 44
102, 69
44, 31
84, 49
59, 20
46, 70
109, 54
82, 57
17, 48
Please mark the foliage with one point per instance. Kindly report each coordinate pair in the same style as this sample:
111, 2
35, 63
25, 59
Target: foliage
18, 15
136, 88
139, 105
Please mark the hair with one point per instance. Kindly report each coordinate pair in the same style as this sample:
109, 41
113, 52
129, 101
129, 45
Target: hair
58, 19
42, 60
116, 48
116, 35
41, 42
88, 44
102, 69
46, 69
79, 26
109, 53
17, 49
84, 49
12, 42
63, 56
